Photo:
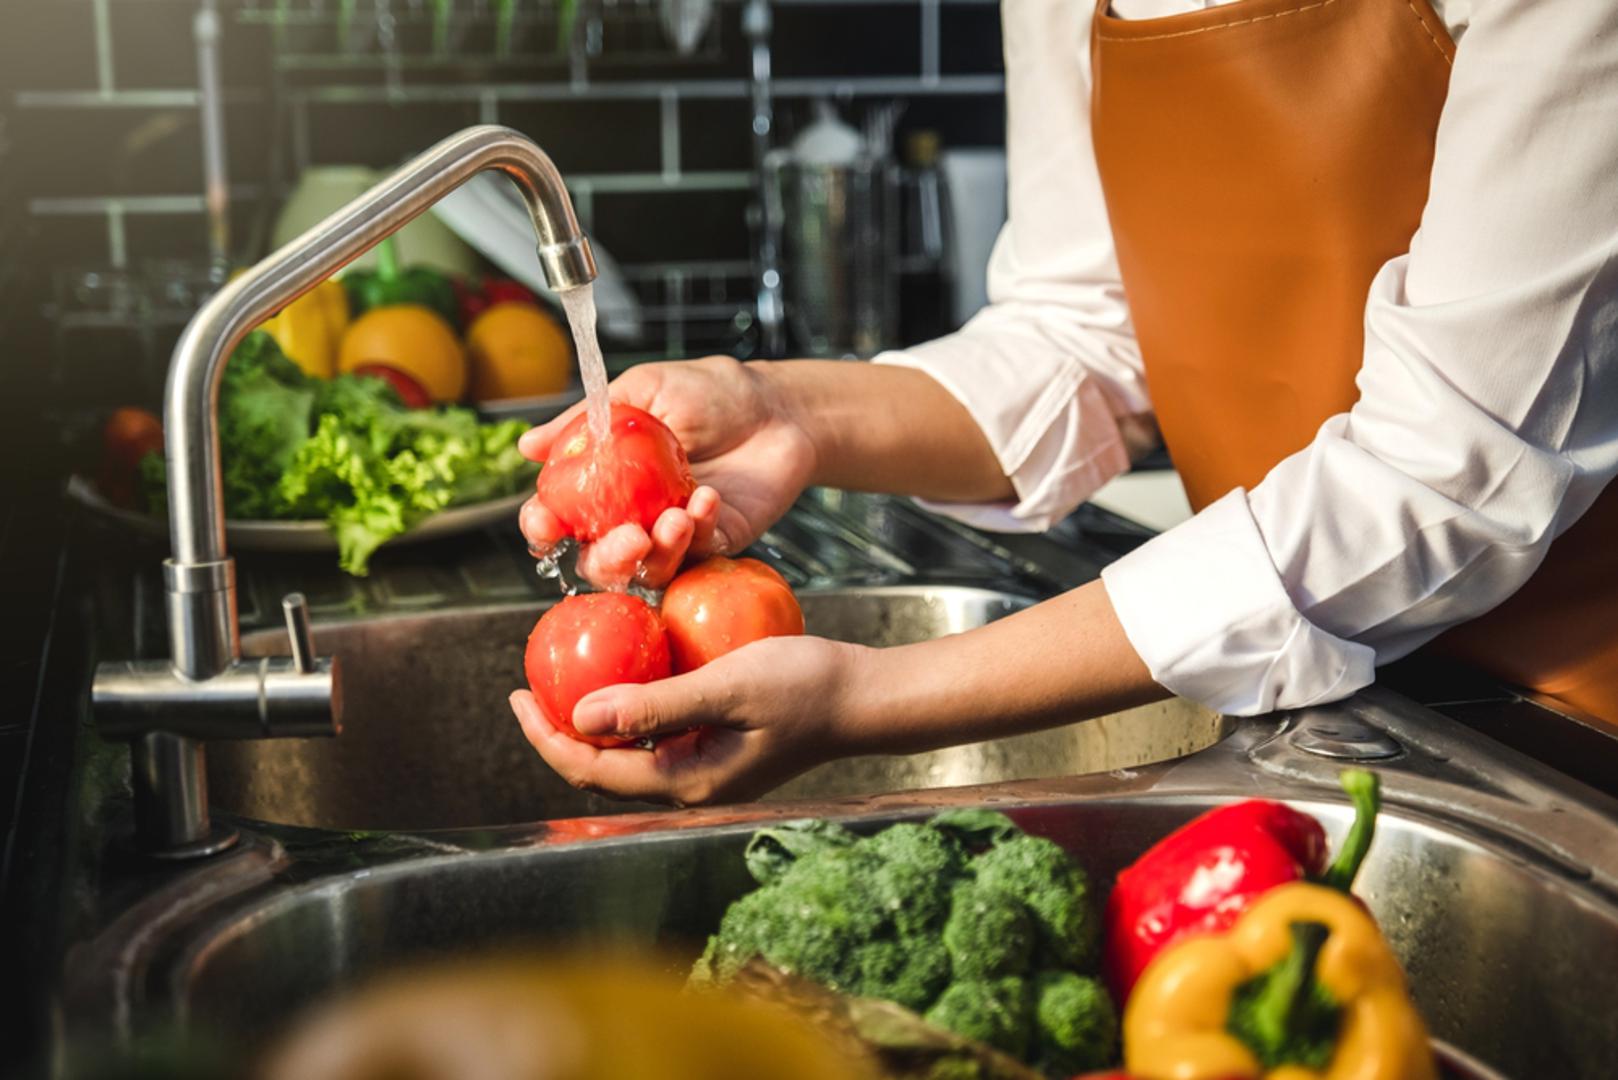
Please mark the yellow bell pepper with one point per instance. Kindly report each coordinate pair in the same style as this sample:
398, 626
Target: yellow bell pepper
1302, 987
310, 328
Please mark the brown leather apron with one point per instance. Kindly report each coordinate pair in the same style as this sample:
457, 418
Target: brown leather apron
1261, 161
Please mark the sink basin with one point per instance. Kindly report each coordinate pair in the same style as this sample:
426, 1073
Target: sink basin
1508, 963
429, 742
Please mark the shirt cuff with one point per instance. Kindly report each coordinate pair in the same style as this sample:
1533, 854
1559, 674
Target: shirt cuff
1061, 448
1206, 610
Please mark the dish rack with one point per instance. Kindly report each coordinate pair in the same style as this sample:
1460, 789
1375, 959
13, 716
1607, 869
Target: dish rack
424, 35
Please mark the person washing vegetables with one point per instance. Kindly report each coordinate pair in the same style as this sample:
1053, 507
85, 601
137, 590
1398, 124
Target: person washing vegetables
1356, 260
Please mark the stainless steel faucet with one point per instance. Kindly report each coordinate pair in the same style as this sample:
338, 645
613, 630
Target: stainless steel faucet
206, 691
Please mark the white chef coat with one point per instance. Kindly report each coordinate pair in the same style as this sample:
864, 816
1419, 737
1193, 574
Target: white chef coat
1488, 416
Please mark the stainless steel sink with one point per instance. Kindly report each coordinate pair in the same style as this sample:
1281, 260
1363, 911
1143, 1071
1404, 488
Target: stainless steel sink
1495, 886
429, 742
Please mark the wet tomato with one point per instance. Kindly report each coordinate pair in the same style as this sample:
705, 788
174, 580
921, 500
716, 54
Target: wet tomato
587, 642
722, 604
642, 472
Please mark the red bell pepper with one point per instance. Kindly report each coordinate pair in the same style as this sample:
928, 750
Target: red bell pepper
475, 298
1201, 877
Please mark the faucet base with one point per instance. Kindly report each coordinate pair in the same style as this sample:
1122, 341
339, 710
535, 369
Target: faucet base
219, 838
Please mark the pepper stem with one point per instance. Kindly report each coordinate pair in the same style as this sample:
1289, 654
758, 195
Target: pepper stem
387, 260
1283, 1015
1366, 793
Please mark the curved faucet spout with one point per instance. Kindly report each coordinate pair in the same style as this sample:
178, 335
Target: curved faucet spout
196, 505
206, 692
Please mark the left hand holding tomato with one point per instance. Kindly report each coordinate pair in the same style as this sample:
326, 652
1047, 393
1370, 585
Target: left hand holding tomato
749, 455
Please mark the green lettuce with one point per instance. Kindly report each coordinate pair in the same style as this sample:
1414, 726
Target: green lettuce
346, 450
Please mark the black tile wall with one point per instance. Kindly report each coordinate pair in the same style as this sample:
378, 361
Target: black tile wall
119, 150
591, 136
831, 40
714, 134
970, 42
674, 225
381, 135
54, 49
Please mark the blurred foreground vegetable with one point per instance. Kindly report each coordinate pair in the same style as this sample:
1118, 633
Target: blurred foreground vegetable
554, 1018
345, 450
987, 931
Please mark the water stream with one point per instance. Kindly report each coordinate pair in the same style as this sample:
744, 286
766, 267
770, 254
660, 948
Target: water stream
579, 303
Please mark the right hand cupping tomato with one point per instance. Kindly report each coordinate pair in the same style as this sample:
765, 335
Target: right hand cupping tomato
589, 642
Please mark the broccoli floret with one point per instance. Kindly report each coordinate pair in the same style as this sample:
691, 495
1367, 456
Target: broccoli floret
1054, 887
909, 971
921, 847
976, 829
1075, 1024
998, 1012
990, 932
912, 884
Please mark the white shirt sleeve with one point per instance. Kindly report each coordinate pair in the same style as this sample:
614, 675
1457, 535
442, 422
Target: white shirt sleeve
1488, 414
1050, 369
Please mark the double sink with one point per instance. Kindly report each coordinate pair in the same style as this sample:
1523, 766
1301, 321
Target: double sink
430, 827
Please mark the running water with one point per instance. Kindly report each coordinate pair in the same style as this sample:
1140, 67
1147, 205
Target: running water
579, 303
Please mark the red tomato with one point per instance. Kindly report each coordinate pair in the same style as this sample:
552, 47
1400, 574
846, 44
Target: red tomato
128, 436
642, 474
587, 642
411, 392
722, 604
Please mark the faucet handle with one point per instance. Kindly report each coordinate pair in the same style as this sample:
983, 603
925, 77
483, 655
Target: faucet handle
296, 609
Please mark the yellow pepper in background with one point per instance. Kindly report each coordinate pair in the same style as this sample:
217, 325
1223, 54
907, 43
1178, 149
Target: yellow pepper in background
310, 328
1302, 987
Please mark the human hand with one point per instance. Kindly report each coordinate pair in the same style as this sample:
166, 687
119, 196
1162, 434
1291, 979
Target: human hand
749, 456
731, 730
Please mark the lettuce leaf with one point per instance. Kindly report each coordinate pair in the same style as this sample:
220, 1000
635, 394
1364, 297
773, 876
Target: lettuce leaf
346, 450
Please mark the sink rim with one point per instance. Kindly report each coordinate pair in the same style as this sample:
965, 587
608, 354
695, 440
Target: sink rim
333, 618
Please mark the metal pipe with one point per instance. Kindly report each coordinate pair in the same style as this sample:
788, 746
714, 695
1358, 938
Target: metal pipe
216, 182
196, 505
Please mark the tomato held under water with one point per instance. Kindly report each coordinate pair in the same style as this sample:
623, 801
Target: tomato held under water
587, 642
642, 472
722, 604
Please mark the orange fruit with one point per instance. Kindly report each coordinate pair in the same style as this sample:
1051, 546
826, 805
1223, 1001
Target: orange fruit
413, 339
517, 350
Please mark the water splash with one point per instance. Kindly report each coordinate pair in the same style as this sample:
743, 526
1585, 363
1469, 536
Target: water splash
559, 565
579, 304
